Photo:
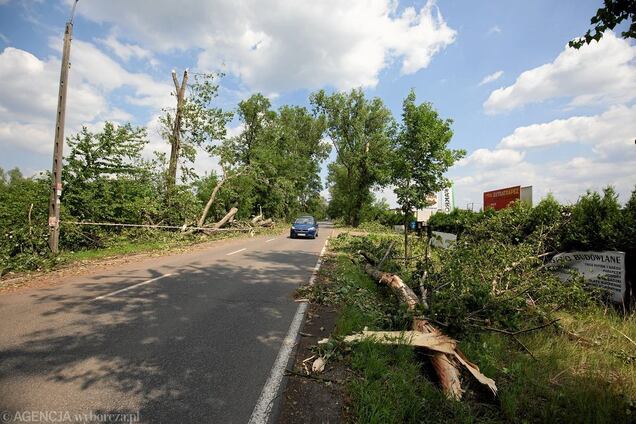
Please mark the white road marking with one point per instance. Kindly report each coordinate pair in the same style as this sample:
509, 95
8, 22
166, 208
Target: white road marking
236, 251
267, 241
132, 287
263, 408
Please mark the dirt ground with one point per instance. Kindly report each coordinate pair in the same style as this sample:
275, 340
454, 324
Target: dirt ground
308, 400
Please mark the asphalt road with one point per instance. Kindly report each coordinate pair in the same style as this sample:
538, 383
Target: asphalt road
177, 339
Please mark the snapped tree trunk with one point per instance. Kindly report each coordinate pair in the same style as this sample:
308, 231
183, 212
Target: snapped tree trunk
445, 364
226, 218
208, 205
175, 139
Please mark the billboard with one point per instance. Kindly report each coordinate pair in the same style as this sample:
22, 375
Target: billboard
443, 201
502, 198
448, 200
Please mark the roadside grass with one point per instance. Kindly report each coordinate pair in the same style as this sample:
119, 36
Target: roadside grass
131, 243
584, 371
155, 240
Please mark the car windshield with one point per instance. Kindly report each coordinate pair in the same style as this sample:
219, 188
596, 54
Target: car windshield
304, 220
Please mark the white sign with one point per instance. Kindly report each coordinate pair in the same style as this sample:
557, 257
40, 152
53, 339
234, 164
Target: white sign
423, 215
448, 201
605, 270
443, 240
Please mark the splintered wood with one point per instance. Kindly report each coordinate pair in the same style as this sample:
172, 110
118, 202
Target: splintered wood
446, 356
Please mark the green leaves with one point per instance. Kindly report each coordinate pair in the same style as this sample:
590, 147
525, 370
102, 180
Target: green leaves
420, 154
613, 13
360, 131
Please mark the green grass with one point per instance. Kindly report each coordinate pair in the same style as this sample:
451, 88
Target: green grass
126, 243
584, 372
155, 241
120, 248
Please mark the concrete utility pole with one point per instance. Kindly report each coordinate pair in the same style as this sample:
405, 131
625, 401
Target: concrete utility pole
56, 176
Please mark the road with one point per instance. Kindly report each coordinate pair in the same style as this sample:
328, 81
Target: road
181, 338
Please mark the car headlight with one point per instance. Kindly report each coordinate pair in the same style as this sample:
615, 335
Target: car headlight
311, 228
293, 228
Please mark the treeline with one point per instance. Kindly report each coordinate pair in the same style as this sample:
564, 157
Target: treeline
375, 150
595, 222
271, 167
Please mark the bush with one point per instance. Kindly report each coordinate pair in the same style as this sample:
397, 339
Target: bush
24, 218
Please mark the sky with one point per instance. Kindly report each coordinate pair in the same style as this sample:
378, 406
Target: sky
527, 109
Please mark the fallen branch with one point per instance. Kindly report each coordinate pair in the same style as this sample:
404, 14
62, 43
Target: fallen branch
386, 254
266, 223
445, 363
516, 333
225, 219
624, 335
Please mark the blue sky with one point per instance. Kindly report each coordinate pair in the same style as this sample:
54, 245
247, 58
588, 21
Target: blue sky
528, 110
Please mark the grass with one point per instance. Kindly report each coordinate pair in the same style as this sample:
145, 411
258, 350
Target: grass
153, 241
584, 371
129, 243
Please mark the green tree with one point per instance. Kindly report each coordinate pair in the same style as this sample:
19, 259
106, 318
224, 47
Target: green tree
420, 157
360, 130
594, 222
106, 179
613, 13
279, 154
201, 123
23, 220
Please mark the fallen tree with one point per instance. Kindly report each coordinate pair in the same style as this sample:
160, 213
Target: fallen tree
225, 219
266, 223
447, 357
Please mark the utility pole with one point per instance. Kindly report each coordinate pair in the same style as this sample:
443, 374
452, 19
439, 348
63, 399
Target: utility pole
56, 176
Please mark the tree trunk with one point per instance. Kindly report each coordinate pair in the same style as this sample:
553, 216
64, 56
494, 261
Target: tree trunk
406, 240
225, 219
445, 364
208, 205
175, 141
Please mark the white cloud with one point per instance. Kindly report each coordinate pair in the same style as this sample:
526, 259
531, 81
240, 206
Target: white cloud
30, 87
127, 51
485, 158
4, 39
602, 72
611, 160
611, 133
285, 44
492, 77
494, 30
566, 180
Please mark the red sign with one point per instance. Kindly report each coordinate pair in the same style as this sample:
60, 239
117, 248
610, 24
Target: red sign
502, 198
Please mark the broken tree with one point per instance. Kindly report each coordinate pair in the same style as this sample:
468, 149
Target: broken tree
446, 356
175, 136
224, 178
225, 219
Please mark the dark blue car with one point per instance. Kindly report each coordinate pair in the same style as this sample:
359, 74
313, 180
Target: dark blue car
304, 226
